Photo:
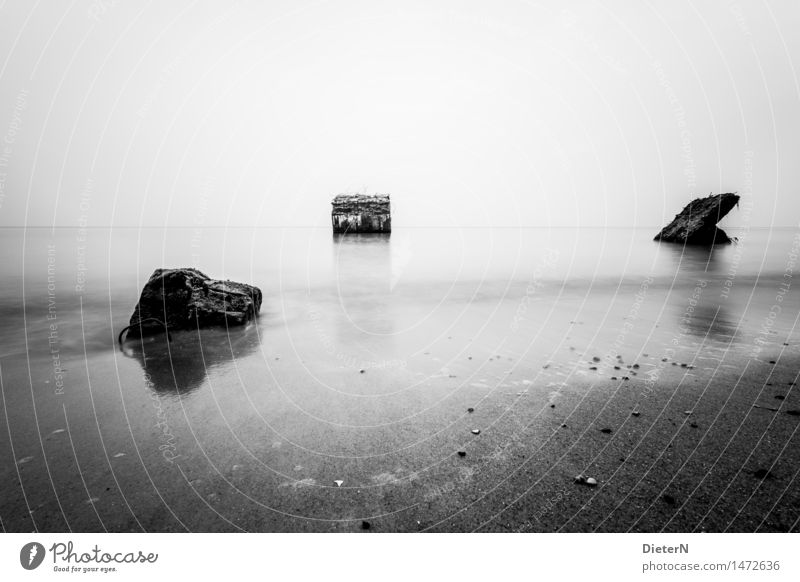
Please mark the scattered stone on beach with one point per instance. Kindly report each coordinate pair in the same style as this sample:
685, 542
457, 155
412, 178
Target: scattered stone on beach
186, 298
118, 455
684, 365
636, 366
636, 413
595, 359
693, 425
24, 460
626, 378
779, 397
617, 368
772, 362
338, 482
563, 425
462, 453
470, 409
581, 480
763, 474
696, 224
793, 412
687, 412
613, 377
606, 430
552, 406
365, 525
765, 407
476, 431
593, 367
668, 499
591, 481
361, 371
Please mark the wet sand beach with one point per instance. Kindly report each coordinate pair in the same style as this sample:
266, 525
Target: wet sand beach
348, 404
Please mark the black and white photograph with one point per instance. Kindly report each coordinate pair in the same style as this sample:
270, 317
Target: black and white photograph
388, 267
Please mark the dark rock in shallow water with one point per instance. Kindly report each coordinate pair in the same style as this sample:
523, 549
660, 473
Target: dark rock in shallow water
697, 223
361, 213
188, 299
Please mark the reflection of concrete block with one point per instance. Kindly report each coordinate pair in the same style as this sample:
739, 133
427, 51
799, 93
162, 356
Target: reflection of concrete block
361, 213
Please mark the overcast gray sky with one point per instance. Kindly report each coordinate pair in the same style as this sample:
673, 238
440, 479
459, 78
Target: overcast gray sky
468, 113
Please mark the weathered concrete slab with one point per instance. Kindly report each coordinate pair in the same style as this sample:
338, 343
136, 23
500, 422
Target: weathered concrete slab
361, 213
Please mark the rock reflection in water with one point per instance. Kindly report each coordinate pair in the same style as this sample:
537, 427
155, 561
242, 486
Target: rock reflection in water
181, 366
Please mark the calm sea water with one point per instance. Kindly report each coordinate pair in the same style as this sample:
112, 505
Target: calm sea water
366, 354
88, 281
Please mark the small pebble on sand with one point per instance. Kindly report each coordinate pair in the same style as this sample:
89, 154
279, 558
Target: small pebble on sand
476, 431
